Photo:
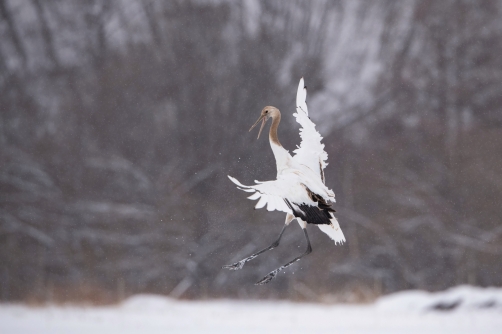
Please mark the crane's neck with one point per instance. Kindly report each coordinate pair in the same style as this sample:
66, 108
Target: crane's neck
273, 130
282, 156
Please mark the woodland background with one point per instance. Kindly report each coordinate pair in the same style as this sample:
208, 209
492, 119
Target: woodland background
119, 121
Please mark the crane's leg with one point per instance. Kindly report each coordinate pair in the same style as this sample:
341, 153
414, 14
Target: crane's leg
240, 264
274, 273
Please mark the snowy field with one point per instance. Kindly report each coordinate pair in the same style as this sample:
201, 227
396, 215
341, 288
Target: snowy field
459, 310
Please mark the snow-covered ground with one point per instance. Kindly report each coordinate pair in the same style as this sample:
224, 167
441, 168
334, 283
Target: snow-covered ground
460, 310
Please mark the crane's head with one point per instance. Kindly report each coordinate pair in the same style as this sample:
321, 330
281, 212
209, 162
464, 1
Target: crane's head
266, 113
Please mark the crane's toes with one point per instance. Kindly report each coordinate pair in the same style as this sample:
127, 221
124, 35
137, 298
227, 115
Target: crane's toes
235, 266
267, 278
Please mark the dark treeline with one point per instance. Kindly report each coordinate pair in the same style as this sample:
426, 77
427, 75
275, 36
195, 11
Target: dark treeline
119, 121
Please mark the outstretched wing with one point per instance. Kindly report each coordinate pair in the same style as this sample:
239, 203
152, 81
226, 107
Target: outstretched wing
311, 152
273, 193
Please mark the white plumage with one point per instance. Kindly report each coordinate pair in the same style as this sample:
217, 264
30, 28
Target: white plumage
299, 189
297, 173
311, 151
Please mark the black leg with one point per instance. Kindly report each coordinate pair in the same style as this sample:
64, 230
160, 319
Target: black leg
240, 264
274, 273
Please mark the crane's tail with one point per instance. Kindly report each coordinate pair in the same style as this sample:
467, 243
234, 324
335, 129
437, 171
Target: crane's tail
333, 230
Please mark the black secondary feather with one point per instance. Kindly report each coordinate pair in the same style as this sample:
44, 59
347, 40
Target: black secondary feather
310, 214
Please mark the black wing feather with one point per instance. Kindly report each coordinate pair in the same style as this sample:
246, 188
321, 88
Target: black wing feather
318, 215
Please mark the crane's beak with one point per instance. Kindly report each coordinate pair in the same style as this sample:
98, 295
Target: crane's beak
263, 119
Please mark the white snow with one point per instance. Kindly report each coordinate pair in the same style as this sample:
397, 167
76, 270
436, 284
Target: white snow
466, 298
479, 311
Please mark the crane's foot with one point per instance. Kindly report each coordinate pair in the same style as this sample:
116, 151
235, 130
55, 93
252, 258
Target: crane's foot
235, 266
268, 278
240, 264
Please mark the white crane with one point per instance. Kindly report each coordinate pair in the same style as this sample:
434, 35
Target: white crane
299, 189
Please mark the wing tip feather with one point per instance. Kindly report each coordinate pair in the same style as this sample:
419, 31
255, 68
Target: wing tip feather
334, 231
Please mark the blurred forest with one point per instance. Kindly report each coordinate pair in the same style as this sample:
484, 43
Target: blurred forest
119, 121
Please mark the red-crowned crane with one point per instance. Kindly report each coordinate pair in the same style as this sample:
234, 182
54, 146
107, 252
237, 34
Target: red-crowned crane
299, 189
